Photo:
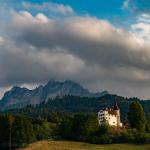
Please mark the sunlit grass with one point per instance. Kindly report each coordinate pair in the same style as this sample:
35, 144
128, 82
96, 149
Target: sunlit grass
67, 145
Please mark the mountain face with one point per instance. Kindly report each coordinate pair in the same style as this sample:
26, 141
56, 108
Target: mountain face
19, 97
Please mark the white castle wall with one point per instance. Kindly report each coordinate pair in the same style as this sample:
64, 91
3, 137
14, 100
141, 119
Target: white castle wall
111, 119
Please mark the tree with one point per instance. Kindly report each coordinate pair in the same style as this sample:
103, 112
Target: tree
4, 133
11, 120
15, 131
103, 129
66, 129
45, 130
22, 132
79, 127
136, 116
84, 125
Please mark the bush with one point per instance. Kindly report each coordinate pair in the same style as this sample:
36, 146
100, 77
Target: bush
45, 130
127, 136
101, 136
65, 129
134, 136
105, 139
104, 129
142, 138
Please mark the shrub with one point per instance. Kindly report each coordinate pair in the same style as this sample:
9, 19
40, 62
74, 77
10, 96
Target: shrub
127, 136
142, 138
105, 139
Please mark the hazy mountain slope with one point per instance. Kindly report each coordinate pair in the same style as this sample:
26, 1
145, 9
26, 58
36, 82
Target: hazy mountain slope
20, 97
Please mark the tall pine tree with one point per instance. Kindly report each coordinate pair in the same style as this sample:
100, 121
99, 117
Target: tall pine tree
136, 116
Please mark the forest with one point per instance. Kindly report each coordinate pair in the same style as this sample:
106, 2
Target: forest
21, 127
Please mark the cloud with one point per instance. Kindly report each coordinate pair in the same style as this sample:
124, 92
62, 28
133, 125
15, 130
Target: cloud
87, 37
24, 18
142, 27
1, 40
49, 7
137, 6
126, 4
88, 50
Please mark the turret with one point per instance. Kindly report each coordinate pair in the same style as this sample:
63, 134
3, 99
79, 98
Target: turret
116, 106
117, 112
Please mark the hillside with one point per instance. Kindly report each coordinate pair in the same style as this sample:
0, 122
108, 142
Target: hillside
74, 104
64, 145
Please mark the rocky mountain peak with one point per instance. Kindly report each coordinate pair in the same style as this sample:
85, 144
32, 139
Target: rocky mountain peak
18, 96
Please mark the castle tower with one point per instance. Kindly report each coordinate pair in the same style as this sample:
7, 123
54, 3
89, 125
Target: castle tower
117, 112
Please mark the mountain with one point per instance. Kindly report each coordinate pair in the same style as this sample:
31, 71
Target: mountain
19, 97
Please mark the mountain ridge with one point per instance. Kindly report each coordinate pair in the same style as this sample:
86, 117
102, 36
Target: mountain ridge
18, 97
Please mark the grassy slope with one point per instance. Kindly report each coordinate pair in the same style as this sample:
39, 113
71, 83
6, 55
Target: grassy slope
65, 145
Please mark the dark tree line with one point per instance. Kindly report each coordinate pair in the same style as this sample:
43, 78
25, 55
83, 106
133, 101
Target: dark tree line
74, 104
15, 131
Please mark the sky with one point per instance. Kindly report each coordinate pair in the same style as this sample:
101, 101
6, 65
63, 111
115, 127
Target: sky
101, 44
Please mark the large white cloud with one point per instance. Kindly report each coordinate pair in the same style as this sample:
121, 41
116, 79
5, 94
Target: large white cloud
85, 49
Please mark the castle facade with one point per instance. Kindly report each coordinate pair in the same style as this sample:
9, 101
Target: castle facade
110, 116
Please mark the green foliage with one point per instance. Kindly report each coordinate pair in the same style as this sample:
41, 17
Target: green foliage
104, 129
22, 131
74, 104
66, 129
128, 136
4, 132
101, 136
142, 138
84, 125
45, 130
48, 124
135, 136
105, 139
147, 127
136, 116
78, 127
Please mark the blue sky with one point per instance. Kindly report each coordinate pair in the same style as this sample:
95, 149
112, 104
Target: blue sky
119, 12
111, 10
99, 8
105, 9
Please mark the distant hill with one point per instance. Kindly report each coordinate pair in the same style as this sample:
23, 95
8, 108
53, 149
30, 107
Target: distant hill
66, 96
19, 97
75, 104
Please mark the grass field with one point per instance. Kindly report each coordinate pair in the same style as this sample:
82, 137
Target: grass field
65, 145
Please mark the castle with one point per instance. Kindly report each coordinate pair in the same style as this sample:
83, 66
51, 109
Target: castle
110, 116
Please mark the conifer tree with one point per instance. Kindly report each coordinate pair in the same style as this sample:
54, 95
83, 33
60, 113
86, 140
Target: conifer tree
136, 116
